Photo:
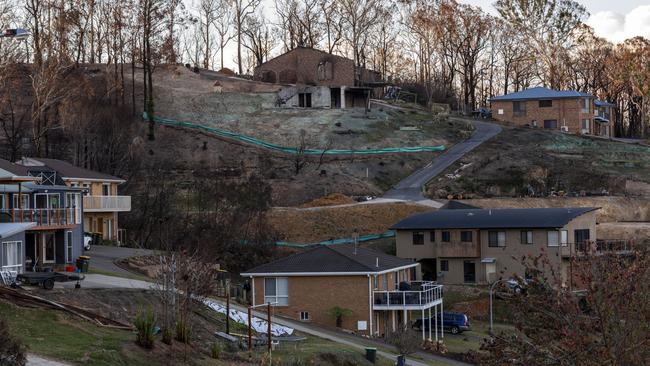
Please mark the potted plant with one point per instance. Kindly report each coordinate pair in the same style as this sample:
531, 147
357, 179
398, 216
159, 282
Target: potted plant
338, 313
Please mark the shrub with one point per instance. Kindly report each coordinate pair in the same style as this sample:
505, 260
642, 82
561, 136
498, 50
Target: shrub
145, 323
338, 313
182, 330
167, 335
406, 341
12, 351
216, 350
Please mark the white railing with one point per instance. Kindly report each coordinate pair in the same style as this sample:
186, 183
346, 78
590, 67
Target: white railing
107, 203
422, 294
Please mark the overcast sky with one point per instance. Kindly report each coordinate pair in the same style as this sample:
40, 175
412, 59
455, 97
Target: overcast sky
614, 20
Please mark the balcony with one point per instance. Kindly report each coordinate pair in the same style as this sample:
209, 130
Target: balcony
107, 203
598, 247
45, 218
457, 250
421, 295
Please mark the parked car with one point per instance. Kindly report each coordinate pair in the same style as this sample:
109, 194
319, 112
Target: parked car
91, 239
454, 323
483, 113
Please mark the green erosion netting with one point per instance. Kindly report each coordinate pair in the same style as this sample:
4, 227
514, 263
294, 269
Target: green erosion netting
290, 150
360, 239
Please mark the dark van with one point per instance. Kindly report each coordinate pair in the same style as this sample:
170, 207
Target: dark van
455, 323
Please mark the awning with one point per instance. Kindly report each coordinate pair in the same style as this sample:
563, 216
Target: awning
601, 120
488, 260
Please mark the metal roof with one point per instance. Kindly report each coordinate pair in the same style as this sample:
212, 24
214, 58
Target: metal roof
12, 228
66, 170
493, 218
541, 93
332, 260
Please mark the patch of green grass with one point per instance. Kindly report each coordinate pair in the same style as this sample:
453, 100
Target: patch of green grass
58, 336
312, 346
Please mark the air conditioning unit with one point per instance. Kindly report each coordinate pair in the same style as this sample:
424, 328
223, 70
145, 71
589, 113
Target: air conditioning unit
564, 128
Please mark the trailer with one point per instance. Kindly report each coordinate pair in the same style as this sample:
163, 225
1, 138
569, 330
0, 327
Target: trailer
47, 279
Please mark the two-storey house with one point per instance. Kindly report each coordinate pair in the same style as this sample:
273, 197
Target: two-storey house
565, 110
102, 202
378, 290
44, 217
478, 246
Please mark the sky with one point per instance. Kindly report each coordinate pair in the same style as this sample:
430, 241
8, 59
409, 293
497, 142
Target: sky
614, 20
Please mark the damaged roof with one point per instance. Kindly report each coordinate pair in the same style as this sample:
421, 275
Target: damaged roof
332, 260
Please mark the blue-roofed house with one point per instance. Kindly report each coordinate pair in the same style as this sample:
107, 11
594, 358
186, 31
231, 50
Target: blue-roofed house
565, 110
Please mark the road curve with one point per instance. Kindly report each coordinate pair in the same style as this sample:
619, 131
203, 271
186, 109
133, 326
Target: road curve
410, 188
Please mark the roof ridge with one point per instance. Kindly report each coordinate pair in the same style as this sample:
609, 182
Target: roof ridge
353, 259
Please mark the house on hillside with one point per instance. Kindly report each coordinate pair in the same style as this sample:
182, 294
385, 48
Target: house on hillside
479, 246
604, 118
565, 110
41, 222
317, 79
378, 290
101, 201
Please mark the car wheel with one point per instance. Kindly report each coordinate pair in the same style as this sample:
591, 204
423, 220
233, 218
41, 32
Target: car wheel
455, 330
48, 284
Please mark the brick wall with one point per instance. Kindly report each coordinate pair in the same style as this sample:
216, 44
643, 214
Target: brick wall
317, 295
566, 112
301, 66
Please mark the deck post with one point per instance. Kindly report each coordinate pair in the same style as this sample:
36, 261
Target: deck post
442, 321
435, 312
429, 323
422, 322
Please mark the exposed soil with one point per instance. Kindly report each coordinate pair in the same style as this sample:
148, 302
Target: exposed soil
532, 162
318, 224
329, 200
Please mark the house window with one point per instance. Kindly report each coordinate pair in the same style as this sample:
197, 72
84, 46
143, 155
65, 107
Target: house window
519, 108
585, 105
276, 291
3, 202
446, 236
432, 236
564, 237
526, 237
24, 201
68, 246
496, 239
73, 200
444, 265
48, 248
418, 238
12, 256
545, 103
466, 236
304, 315
375, 282
586, 124
553, 238
106, 189
304, 100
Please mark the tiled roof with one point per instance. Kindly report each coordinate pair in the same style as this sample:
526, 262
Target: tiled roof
529, 218
541, 93
334, 259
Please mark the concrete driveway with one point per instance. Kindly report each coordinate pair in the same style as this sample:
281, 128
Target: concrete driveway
103, 257
410, 189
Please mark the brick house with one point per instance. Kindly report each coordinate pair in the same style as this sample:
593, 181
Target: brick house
101, 201
378, 289
566, 110
315, 78
478, 246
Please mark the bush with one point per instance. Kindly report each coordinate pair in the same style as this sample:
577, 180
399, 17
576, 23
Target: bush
12, 351
216, 350
406, 341
145, 323
167, 336
182, 330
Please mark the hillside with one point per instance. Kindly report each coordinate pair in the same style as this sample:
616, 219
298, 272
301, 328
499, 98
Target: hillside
531, 162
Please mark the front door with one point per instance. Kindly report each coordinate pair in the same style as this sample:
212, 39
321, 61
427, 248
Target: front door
550, 124
469, 271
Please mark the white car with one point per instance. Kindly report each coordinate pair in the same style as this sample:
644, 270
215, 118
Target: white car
88, 238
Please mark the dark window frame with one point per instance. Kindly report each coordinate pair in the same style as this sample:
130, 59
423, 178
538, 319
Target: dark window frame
546, 103
420, 238
495, 244
432, 236
444, 265
524, 237
445, 236
463, 236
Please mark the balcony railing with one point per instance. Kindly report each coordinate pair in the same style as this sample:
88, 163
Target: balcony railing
107, 203
600, 246
42, 216
421, 295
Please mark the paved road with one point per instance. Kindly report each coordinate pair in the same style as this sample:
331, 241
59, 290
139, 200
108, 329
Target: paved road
410, 189
104, 257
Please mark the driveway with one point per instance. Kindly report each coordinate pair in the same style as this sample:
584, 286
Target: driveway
103, 257
410, 189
